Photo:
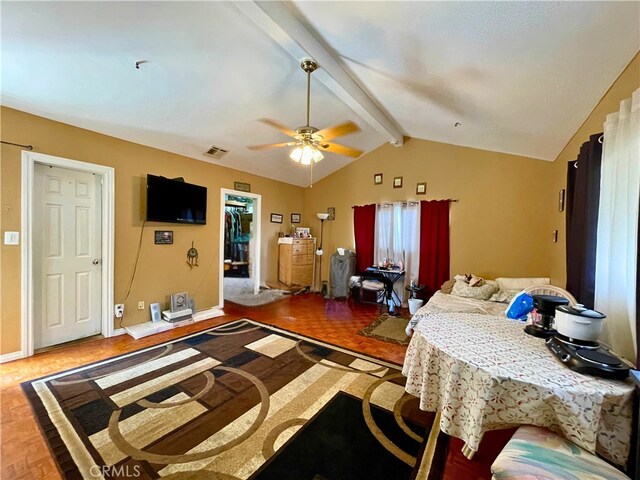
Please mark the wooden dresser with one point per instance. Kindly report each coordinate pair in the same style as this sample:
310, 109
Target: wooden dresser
296, 260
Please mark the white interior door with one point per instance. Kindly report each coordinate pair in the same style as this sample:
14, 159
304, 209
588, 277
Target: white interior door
66, 255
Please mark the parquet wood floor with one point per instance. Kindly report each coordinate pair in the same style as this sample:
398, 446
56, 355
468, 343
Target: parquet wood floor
25, 455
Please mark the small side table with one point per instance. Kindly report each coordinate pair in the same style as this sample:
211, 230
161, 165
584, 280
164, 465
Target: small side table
413, 290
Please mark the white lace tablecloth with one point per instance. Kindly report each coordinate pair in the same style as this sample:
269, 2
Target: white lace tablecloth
484, 373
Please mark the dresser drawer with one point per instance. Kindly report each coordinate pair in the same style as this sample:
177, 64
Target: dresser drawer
299, 249
301, 275
304, 259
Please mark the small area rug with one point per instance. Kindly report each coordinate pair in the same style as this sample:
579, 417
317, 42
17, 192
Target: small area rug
240, 291
242, 400
388, 329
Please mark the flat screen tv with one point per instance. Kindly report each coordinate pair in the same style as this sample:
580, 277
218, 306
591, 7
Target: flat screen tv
175, 201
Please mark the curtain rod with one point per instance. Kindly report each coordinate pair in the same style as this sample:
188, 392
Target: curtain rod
404, 202
28, 147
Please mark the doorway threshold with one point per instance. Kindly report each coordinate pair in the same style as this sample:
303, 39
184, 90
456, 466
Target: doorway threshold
70, 343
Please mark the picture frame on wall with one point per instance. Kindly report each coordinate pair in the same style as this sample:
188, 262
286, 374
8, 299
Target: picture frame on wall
242, 186
163, 237
295, 218
561, 199
421, 188
276, 218
332, 213
397, 182
377, 179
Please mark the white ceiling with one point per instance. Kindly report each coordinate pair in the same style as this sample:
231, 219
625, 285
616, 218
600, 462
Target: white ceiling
519, 76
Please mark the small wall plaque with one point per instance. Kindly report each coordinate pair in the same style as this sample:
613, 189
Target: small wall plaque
276, 218
164, 237
295, 218
561, 198
397, 182
421, 188
242, 187
377, 179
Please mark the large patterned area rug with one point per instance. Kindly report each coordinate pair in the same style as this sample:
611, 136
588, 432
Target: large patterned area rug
242, 400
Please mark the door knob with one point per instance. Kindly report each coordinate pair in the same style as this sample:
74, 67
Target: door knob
96, 261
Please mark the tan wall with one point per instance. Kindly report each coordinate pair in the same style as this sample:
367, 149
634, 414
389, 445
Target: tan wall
622, 89
162, 268
499, 227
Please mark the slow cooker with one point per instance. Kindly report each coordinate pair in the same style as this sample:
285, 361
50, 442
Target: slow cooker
578, 322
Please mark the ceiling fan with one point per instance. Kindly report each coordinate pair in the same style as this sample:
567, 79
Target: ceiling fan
309, 141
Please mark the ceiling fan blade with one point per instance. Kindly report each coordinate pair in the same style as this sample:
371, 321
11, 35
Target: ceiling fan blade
338, 130
278, 126
341, 149
271, 145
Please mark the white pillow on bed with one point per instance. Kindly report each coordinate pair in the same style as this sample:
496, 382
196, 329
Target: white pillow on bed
520, 283
504, 296
462, 289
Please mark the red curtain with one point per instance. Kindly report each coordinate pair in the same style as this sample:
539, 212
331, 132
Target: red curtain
364, 221
434, 245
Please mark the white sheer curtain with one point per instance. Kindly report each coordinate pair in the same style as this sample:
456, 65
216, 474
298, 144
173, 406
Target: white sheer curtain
411, 242
397, 238
617, 238
383, 239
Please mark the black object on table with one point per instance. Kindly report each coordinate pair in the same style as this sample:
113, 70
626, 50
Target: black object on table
413, 290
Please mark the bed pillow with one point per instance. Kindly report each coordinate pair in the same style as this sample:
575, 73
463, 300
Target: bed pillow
447, 286
520, 283
504, 296
462, 289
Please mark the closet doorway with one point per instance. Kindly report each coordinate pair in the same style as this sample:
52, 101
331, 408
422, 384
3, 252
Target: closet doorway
239, 244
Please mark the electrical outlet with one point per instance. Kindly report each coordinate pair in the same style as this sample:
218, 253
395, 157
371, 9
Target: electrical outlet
119, 310
141, 305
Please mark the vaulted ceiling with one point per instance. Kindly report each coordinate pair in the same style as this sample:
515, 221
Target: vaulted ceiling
519, 77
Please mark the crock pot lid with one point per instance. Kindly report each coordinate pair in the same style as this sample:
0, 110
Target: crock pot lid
581, 312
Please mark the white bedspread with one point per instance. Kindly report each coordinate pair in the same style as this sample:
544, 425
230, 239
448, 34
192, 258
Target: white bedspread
445, 303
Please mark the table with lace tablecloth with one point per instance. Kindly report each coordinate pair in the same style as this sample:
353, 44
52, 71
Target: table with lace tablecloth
484, 373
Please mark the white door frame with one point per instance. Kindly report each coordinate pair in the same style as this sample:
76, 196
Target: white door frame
254, 253
29, 160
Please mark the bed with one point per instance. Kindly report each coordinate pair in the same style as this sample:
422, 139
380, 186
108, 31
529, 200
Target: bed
446, 303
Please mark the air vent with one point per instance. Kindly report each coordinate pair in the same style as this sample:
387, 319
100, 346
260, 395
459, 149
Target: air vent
216, 152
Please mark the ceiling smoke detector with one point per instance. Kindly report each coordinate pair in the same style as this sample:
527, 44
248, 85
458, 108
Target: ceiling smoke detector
216, 152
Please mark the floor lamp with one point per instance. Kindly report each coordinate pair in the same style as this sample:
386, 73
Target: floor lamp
319, 252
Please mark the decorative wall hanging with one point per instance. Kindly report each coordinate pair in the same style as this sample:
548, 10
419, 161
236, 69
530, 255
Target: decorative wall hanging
397, 182
332, 213
421, 188
192, 257
377, 179
295, 218
242, 187
276, 218
164, 237
561, 197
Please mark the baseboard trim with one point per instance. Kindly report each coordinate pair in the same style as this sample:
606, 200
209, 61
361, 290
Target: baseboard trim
10, 357
119, 331
208, 313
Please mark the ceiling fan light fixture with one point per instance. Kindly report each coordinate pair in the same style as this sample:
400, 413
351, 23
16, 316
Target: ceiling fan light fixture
305, 154
296, 154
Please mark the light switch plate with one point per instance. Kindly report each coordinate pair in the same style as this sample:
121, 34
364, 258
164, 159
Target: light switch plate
11, 238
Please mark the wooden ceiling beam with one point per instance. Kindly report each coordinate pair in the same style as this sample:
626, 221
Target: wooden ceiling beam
275, 19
